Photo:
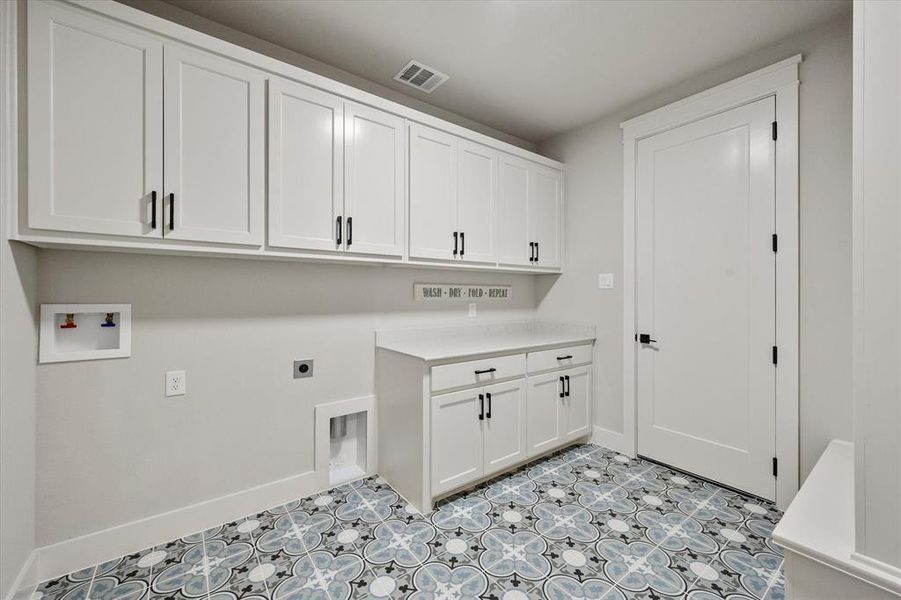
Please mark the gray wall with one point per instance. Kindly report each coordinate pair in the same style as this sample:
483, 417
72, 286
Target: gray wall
18, 355
112, 448
593, 155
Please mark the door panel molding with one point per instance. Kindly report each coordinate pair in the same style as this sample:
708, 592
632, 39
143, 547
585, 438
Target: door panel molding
781, 81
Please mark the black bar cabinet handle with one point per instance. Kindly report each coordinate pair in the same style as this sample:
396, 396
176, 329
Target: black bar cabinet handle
567, 357
483, 371
171, 211
567, 386
562, 387
531, 251
537, 251
462, 250
488, 414
350, 231
481, 407
338, 231
153, 209
455, 243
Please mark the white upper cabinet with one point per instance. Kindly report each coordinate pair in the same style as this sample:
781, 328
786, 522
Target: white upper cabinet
477, 202
545, 214
513, 225
530, 214
95, 131
306, 167
433, 194
145, 135
214, 127
374, 190
453, 197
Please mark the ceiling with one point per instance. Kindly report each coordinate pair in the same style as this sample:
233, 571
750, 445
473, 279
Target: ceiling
530, 68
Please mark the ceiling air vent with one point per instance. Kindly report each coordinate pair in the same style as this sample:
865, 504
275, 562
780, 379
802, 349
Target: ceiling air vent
415, 74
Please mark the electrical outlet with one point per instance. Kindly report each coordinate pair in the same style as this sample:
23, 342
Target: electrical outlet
175, 383
473, 309
303, 368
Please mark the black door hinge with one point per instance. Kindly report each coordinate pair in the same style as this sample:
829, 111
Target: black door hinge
775, 131
775, 243
775, 467
775, 355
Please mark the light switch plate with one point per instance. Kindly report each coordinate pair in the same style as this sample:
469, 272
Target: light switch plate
176, 384
473, 309
605, 281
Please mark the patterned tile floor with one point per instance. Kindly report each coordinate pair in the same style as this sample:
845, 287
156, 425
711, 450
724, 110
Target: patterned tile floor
582, 523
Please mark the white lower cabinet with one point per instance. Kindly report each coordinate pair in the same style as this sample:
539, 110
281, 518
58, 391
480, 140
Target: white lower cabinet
576, 403
504, 426
545, 409
476, 433
457, 453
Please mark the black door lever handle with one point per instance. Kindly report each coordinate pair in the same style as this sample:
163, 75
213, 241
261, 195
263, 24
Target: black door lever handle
645, 338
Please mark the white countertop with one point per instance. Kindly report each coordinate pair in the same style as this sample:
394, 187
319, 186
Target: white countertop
453, 342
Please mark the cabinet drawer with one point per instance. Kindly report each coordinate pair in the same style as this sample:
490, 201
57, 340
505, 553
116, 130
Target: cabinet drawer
558, 358
477, 372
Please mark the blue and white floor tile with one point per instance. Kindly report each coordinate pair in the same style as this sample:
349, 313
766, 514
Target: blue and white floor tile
583, 523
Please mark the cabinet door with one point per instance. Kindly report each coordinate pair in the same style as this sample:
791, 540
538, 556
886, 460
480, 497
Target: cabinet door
577, 403
433, 193
374, 156
214, 119
456, 439
477, 202
545, 214
512, 215
306, 166
95, 123
544, 412
505, 425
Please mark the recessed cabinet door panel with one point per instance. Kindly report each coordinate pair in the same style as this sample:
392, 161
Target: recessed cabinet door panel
214, 119
577, 402
504, 425
513, 202
373, 181
456, 439
433, 193
477, 201
545, 214
306, 166
544, 412
95, 129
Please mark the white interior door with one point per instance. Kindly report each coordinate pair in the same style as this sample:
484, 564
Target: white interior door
433, 194
477, 202
512, 212
545, 214
95, 106
545, 396
374, 169
705, 292
306, 166
215, 152
456, 437
504, 425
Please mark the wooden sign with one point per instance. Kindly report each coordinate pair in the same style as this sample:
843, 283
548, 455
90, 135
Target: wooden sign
461, 292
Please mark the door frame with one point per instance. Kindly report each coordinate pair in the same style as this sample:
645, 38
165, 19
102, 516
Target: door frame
781, 81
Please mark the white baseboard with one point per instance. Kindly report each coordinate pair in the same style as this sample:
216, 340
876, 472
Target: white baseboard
71, 555
609, 439
26, 579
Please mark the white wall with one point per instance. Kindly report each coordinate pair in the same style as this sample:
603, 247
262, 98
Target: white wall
18, 350
112, 448
593, 155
